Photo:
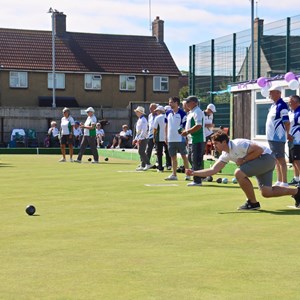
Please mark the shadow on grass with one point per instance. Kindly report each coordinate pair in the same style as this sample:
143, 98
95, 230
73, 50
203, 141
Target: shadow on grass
286, 212
6, 165
280, 212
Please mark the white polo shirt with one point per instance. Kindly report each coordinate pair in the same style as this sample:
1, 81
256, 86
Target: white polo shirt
160, 125
66, 125
238, 148
175, 121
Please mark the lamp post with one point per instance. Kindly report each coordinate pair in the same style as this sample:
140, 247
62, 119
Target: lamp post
53, 12
145, 72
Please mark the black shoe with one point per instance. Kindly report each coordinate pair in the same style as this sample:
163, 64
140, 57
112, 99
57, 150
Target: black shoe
297, 197
249, 206
294, 182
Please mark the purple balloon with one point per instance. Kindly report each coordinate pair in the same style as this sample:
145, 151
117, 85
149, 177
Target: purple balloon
262, 81
289, 76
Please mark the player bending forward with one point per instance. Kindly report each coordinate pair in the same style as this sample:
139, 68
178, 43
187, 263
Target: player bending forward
252, 159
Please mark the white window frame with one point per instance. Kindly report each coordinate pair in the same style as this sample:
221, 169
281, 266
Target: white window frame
93, 81
159, 82
18, 79
60, 83
127, 83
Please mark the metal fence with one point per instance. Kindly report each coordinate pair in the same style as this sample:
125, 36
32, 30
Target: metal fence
216, 64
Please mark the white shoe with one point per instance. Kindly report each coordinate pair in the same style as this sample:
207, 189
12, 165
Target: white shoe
71, 160
193, 183
277, 183
139, 169
159, 171
171, 177
77, 161
118, 147
95, 162
187, 177
285, 184
62, 160
147, 167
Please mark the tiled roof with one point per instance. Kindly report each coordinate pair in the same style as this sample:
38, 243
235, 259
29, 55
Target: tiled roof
85, 52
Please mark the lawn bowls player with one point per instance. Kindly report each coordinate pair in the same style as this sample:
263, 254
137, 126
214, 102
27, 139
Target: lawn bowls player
252, 159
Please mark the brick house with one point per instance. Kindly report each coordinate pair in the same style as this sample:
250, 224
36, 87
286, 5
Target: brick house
99, 70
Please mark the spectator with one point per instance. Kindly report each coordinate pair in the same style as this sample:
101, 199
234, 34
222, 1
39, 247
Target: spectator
293, 137
77, 132
66, 125
209, 120
89, 136
53, 134
123, 139
195, 127
176, 120
141, 139
99, 135
151, 118
159, 137
277, 128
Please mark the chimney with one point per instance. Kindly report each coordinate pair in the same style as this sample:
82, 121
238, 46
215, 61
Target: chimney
158, 29
60, 24
258, 28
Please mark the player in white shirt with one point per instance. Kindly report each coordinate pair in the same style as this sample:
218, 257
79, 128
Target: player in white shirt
252, 159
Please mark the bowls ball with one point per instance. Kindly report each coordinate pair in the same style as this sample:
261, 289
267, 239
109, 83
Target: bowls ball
89, 159
234, 180
106, 158
209, 178
30, 210
225, 180
219, 180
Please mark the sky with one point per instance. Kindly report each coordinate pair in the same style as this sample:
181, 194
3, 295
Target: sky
186, 22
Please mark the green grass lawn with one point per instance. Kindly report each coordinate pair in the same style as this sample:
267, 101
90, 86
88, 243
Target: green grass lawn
100, 233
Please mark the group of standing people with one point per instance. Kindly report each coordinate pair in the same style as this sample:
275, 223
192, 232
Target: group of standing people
174, 130
88, 133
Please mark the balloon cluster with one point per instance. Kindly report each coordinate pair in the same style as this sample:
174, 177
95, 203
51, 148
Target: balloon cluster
292, 80
265, 83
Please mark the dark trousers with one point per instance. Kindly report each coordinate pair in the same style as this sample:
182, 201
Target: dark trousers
159, 148
142, 152
197, 159
88, 141
149, 149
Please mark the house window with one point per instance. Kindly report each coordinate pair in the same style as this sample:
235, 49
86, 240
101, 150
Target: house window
160, 84
127, 83
59, 82
92, 81
18, 79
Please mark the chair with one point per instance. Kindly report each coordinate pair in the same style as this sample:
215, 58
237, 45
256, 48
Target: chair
18, 138
32, 140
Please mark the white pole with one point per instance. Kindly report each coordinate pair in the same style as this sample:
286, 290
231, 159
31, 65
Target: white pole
53, 61
252, 39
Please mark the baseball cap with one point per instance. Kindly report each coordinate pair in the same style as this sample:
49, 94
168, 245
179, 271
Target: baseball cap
65, 109
160, 108
90, 109
211, 107
275, 88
